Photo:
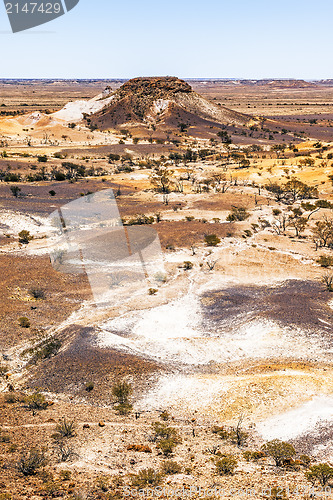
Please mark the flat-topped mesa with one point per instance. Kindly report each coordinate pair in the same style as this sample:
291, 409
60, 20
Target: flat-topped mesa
155, 87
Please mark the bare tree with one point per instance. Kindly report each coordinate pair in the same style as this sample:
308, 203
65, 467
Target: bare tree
211, 264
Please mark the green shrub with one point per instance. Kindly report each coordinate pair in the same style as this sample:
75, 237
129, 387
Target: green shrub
44, 350
325, 261
123, 408
222, 432
24, 322
253, 455
167, 437
166, 446
25, 237
238, 214
36, 401
226, 465
121, 391
212, 240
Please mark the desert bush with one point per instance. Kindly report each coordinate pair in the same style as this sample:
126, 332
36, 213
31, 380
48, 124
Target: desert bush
212, 240
103, 483
164, 415
3, 370
162, 431
123, 408
11, 397
320, 473
238, 214
24, 322
143, 448
32, 460
279, 451
44, 350
325, 261
226, 465
146, 477
139, 220
171, 467
167, 437
37, 293
305, 459
89, 386
187, 265
25, 236
253, 455
64, 451
222, 432
36, 401
65, 475
166, 446
121, 391
15, 191
65, 428
328, 281
4, 438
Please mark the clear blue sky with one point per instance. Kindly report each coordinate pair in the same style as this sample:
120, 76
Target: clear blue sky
211, 38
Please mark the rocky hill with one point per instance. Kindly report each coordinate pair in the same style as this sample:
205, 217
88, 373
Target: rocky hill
162, 103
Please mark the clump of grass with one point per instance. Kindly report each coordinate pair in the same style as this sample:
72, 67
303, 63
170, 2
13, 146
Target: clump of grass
171, 467
146, 477
37, 293
32, 460
65, 429
36, 401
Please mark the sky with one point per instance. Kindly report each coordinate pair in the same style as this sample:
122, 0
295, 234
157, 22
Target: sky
189, 39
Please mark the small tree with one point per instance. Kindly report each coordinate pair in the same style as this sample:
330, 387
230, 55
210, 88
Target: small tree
321, 473
121, 391
279, 451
